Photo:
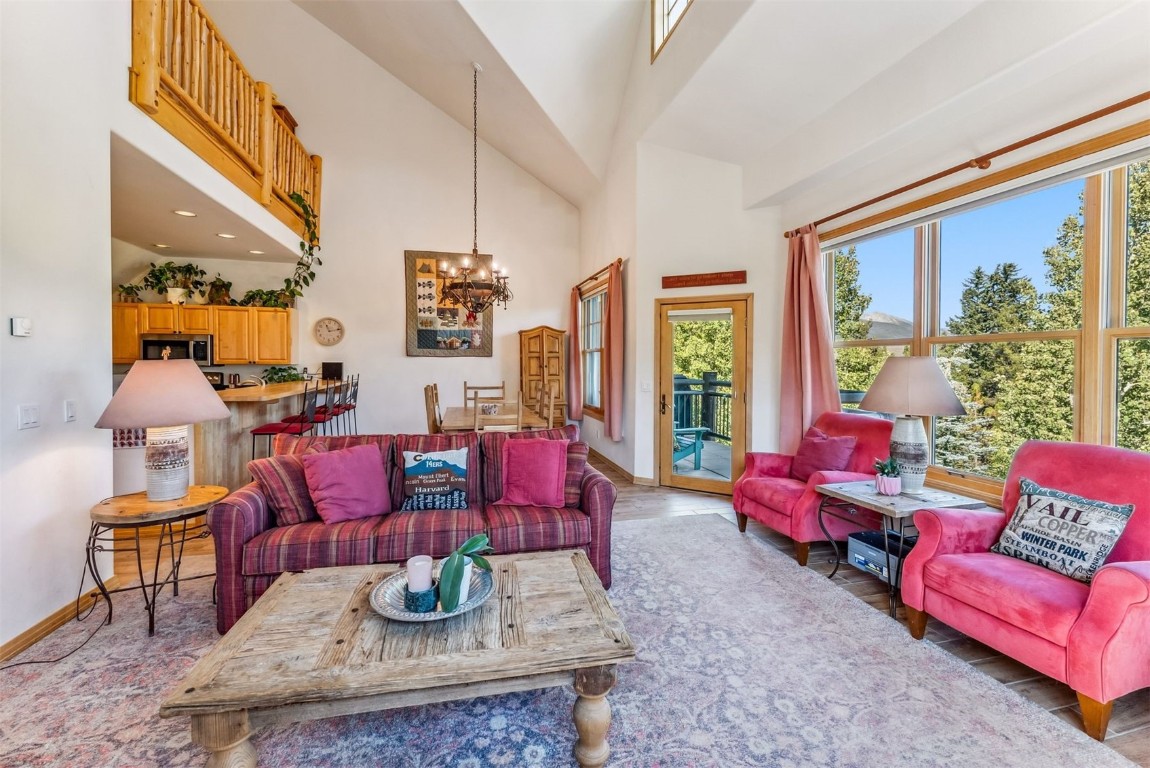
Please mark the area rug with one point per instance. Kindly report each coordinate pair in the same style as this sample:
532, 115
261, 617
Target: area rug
744, 659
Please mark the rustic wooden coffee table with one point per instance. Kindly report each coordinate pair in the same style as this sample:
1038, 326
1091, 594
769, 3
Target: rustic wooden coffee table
312, 647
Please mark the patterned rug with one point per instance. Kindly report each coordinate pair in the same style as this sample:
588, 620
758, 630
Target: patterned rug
744, 659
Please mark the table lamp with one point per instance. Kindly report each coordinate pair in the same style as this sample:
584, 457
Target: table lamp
165, 396
909, 388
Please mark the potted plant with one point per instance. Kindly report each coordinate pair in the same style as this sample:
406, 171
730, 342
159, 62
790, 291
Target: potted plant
279, 374
174, 281
887, 480
455, 573
219, 290
129, 292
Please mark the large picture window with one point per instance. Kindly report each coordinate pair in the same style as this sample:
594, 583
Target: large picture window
1037, 307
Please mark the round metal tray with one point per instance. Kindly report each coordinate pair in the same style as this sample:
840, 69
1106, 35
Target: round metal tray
387, 597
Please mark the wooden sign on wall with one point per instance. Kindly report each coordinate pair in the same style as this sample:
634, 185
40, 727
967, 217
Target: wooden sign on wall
731, 277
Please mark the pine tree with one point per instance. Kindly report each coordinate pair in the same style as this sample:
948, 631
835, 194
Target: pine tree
856, 367
1134, 354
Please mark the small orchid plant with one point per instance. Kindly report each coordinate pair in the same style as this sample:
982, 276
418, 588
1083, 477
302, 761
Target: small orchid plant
451, 575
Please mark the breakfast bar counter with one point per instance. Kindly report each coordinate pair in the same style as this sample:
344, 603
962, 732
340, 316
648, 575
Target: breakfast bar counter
224, 448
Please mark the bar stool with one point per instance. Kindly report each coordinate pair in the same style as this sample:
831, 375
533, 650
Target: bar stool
313, 413
347, 407
301, 424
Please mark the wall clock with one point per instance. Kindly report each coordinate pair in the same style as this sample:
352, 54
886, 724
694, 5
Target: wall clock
328, 331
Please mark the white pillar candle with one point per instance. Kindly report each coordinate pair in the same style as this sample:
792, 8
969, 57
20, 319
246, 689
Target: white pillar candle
419, 573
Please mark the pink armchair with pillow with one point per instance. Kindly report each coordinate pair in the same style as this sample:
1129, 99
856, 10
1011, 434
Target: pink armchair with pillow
778, 490
1060, 582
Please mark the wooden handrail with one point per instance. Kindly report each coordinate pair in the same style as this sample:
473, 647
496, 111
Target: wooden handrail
190, 80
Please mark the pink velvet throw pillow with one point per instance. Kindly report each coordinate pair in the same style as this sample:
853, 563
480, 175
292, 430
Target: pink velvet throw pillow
347, 484
534, 472
818, 452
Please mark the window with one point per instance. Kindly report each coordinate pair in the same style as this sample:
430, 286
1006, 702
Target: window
1037, 308
665, 14
591, 346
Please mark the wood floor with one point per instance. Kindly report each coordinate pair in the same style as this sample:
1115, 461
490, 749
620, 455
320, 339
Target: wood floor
1129, 731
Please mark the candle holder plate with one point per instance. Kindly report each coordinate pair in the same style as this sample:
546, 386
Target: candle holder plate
387, 597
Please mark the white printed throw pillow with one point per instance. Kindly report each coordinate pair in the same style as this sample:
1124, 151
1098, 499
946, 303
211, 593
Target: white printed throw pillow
1066, 533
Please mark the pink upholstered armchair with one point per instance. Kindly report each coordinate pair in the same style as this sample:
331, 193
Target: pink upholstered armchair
768, 493
1094, 637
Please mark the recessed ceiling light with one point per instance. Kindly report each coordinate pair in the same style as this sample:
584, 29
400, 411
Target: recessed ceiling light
183, 213
257, 253
160, 245
225, 235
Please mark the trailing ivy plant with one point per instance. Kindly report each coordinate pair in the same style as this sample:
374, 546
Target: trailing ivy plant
308, 260
278, 374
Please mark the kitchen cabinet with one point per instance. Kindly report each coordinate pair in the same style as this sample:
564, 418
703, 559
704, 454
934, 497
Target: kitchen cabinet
177, 318
246, 335
125, 332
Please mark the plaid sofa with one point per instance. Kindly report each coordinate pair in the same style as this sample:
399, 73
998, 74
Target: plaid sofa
252, 551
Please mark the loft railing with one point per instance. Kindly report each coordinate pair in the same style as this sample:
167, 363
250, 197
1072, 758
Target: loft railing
186, 76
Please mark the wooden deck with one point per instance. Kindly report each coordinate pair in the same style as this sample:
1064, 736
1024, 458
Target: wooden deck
716, 463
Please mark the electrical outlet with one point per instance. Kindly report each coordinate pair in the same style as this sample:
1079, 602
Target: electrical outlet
69, 410
29, 416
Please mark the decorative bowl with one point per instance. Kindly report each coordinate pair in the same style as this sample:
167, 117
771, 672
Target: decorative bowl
387, 597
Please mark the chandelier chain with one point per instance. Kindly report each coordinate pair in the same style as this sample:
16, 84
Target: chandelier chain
475, 161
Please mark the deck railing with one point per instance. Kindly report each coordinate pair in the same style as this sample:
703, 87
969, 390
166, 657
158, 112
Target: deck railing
704, 402
186, 76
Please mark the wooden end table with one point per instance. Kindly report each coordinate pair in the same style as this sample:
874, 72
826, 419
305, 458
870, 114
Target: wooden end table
843, 500
313, 647
134, 511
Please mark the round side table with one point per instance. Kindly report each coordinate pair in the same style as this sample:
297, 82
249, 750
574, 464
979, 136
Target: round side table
134, 511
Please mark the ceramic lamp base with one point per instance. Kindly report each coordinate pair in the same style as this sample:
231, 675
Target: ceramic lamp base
908, 447
166, 463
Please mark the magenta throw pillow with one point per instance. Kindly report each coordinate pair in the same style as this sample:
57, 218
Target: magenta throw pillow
534, 472
347, 484
282, 480
818, 452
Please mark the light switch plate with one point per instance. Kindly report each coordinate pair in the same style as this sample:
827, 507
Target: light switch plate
69, 410
29, 417
21, 326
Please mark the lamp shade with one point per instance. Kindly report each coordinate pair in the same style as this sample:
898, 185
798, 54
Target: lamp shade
914, 386
163, 393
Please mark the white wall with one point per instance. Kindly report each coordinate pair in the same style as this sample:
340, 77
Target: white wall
54, 259
397, 176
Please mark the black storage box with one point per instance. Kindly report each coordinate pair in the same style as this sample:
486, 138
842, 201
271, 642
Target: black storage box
865, 552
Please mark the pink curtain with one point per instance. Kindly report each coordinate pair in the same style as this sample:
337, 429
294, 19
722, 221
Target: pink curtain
809, 385
613, 365
574, 361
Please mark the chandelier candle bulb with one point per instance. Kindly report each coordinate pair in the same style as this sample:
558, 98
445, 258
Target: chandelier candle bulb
419, 573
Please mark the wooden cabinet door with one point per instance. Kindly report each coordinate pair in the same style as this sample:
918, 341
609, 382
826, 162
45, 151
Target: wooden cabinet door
271, 337
125, 332
159, 318
233, 336
196, 319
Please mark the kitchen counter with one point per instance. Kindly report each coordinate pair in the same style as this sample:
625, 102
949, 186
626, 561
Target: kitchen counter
224, 447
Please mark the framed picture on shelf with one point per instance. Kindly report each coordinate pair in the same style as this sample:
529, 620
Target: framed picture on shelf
435, 327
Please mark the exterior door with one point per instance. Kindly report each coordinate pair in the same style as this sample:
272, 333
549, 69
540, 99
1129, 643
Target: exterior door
702, 402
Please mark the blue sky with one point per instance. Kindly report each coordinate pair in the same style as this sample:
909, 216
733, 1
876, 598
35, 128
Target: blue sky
1014, 230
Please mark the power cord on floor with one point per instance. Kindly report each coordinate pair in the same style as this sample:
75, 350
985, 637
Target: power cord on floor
96, 599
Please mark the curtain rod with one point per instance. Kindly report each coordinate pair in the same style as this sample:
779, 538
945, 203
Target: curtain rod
597, 274
982, 162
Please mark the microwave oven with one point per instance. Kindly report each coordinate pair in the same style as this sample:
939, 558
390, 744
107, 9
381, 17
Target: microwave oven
182, 346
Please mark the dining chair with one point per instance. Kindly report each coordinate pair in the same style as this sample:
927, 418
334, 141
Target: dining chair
431, 404
546, 409
497, 422
473, 393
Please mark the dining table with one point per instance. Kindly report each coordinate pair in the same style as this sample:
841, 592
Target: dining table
462, 418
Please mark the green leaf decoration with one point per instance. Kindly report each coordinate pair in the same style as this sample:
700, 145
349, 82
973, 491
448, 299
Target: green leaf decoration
450, 582
476, 543
481, 562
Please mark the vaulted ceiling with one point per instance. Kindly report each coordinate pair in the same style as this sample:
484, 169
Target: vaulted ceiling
819, 103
